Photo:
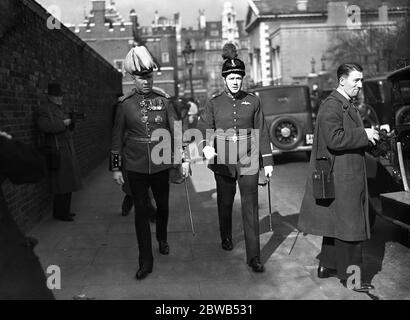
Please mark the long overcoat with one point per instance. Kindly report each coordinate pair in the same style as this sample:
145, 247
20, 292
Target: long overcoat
339, 132
67, 178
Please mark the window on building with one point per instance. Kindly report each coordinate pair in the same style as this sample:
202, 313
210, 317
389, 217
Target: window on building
214, 33
165, 57
214, 25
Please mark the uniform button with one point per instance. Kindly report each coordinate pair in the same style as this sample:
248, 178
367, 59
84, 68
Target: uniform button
234, 127
234, 105
234, 120
234, 112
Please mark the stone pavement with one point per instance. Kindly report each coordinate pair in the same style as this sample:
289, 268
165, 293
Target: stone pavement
98, 252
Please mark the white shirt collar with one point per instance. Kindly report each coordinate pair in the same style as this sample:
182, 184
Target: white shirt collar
344, 94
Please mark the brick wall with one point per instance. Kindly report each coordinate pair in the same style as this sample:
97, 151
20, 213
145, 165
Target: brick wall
31, 56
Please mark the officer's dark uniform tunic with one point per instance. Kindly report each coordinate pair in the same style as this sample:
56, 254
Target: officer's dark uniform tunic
137, 117
235, 116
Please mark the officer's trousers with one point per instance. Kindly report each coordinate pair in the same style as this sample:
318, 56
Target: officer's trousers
139, 184
248, 187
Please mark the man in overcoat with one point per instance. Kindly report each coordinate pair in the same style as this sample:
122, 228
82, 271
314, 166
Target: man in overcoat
65, 176
343, 221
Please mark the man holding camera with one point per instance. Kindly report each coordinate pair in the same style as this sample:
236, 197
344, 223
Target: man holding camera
342, 219
57, 127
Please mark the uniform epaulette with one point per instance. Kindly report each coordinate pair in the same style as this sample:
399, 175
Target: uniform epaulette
216, 95
252, 94
127, 95
161, 93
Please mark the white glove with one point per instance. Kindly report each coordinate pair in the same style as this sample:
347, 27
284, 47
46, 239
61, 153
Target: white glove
209, 152
185, 169
372, 135
118, 178
268, 171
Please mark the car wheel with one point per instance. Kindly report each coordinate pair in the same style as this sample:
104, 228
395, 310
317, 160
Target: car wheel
286, 133
403, 115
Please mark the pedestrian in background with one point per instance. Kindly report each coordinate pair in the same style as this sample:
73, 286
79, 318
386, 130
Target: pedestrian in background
343, 220
64, 170
233, 111
138, 116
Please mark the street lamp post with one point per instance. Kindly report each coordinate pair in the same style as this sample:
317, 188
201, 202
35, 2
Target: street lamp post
189, 54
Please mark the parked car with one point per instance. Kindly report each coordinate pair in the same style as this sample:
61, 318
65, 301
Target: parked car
288, 113
388, 104
383, 104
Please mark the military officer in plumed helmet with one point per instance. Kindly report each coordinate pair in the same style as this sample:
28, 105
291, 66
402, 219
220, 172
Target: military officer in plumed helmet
236, 150
141, 117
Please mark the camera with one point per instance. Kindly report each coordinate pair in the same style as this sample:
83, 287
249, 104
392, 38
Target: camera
385, 143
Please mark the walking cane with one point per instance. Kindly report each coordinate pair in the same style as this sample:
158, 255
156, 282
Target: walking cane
270, 206
189, 206
294, 242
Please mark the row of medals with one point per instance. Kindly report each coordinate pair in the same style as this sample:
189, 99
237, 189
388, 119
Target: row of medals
148, 106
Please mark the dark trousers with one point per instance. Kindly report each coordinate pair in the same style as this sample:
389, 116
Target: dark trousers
139, 184
248, 187
62, 204
338, 254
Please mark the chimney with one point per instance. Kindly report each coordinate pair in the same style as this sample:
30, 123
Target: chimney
301, 5
202, 19
383, 13
99, 11
337, 13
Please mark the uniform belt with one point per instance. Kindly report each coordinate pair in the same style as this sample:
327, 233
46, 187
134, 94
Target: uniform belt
235, 137
144, 139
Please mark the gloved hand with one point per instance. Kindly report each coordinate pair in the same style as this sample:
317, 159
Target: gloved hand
186, 168
268, 171
209, 152
118, 178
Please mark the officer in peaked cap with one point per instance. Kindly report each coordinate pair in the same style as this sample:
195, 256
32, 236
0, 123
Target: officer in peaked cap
234, 114
139, 116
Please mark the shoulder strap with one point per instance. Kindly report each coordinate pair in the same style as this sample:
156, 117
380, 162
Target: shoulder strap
333, 157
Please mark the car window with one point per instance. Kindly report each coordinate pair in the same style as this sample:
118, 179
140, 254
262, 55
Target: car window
284, 100
405, 90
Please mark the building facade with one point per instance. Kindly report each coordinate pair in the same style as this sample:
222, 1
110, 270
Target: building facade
290, 40
208, 40
107, 33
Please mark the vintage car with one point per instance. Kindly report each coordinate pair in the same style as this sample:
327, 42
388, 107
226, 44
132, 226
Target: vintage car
382, 105
288, 113
387, 105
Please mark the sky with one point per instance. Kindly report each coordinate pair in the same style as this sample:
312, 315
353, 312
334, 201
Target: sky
72, 11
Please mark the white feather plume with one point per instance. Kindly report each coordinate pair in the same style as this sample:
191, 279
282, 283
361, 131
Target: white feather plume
139, 59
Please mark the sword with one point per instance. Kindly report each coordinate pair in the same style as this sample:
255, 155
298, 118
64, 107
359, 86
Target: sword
189, 206
270, 206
